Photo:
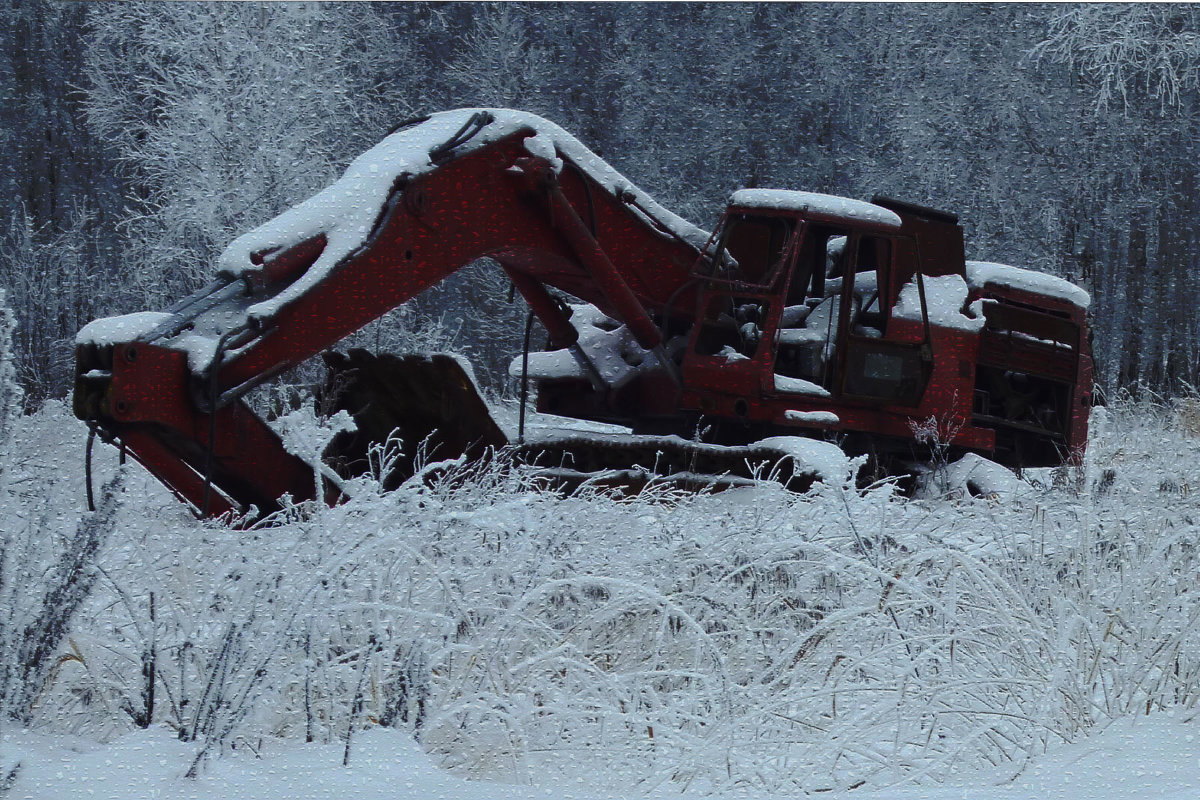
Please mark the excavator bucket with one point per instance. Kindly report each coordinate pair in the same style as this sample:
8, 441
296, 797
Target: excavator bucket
426, 404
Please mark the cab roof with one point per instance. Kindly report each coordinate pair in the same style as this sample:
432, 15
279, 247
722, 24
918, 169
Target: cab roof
820, 207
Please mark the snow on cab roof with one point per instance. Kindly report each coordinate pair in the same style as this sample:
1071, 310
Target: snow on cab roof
815, 203
346, 211
980, 273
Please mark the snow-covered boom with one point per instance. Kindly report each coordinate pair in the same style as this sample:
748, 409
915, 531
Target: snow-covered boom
802, 315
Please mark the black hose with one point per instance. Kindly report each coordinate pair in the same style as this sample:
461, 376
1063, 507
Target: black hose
587, 190
410, 121
478, 121
629, 198
87, 467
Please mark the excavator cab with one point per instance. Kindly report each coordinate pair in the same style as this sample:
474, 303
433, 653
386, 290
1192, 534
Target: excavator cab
753, 248
750, 258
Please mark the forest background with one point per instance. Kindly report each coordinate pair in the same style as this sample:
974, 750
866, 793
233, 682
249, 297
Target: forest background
141, 138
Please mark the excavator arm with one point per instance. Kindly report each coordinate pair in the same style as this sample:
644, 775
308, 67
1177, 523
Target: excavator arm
430, 199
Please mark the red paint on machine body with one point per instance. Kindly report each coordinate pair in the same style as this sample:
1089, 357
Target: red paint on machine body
799, 317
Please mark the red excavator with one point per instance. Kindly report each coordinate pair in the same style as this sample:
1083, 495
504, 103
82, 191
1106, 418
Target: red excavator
803, 317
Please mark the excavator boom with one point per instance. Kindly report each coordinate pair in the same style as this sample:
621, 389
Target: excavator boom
430, 199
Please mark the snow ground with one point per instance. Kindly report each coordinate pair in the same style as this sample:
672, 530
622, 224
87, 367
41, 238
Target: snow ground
743, 645
1155, 756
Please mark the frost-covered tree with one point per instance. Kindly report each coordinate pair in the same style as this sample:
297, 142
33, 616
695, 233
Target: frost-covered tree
1130, 51
52, 278
51, 161
1135, 225
224, 115
58, 195
496, 64
10, 390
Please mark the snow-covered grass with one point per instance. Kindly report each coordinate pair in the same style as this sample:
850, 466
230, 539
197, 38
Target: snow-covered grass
751, 642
